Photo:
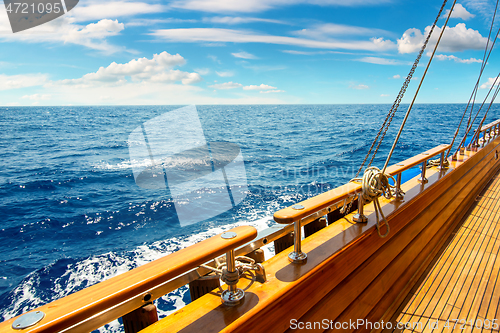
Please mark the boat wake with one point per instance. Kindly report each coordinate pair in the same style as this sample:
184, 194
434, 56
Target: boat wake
40, 287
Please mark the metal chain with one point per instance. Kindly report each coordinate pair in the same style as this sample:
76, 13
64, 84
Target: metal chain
418, 89
400, 96
395, 105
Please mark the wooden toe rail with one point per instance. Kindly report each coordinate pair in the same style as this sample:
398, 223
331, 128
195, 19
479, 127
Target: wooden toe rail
99, 304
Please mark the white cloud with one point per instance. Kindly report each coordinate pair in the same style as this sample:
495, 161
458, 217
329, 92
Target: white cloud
411, 41
225, 74
214, 58
141, 81
382, 61
321, 31
244, 55
97, 10
8, 82
459, 12
314, 52
397, 76
359, 86
457, 38
95, 31
271, 91
227, 85
238, 20
202, 71
252, 6
4, 23
217, 6
139, 93
261, 87
266, 68
489, 83
384, 95
150, 22
157, 69
145, 93
485, 7
65, 31
244, 36
37, 97
452, 57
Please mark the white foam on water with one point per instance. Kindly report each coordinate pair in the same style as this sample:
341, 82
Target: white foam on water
92, 270
127, 164
168, 163
26, 298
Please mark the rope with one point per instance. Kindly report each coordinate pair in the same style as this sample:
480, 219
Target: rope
381, 176
346, 208
418, 89
437, 163
230, 278
374, 184
243, 264
483, 65
394, 108
486, 113
392, 112
472, 98
489, 107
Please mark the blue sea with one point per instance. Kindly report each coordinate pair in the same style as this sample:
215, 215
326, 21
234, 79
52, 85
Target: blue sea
71, 213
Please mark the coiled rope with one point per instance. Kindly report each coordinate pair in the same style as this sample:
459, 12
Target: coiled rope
392, 112
437, 163
374, 184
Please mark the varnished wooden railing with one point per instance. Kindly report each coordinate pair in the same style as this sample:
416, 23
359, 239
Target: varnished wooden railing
99, 304
487, 132
322, 204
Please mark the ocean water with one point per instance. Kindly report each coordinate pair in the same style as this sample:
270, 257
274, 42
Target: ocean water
71, 214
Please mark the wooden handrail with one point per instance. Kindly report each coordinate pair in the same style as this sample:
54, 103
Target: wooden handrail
315, 204
416, 160
312, 205
97, 304
492, 124
486, 131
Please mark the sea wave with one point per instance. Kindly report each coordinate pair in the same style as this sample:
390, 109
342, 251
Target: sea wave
40, 287
72, 215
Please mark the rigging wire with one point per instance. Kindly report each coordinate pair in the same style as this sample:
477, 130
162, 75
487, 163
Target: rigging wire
486, 113
474, 92
483, 65
395, 105
418, 89
392, 112
375, 182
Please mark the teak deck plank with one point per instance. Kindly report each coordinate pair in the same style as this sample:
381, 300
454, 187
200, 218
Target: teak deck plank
436, 284
464, 283
467, 282
470, 307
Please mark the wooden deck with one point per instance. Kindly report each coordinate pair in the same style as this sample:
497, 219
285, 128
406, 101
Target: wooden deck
461, 292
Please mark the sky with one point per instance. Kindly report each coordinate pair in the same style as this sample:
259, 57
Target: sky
153, 52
